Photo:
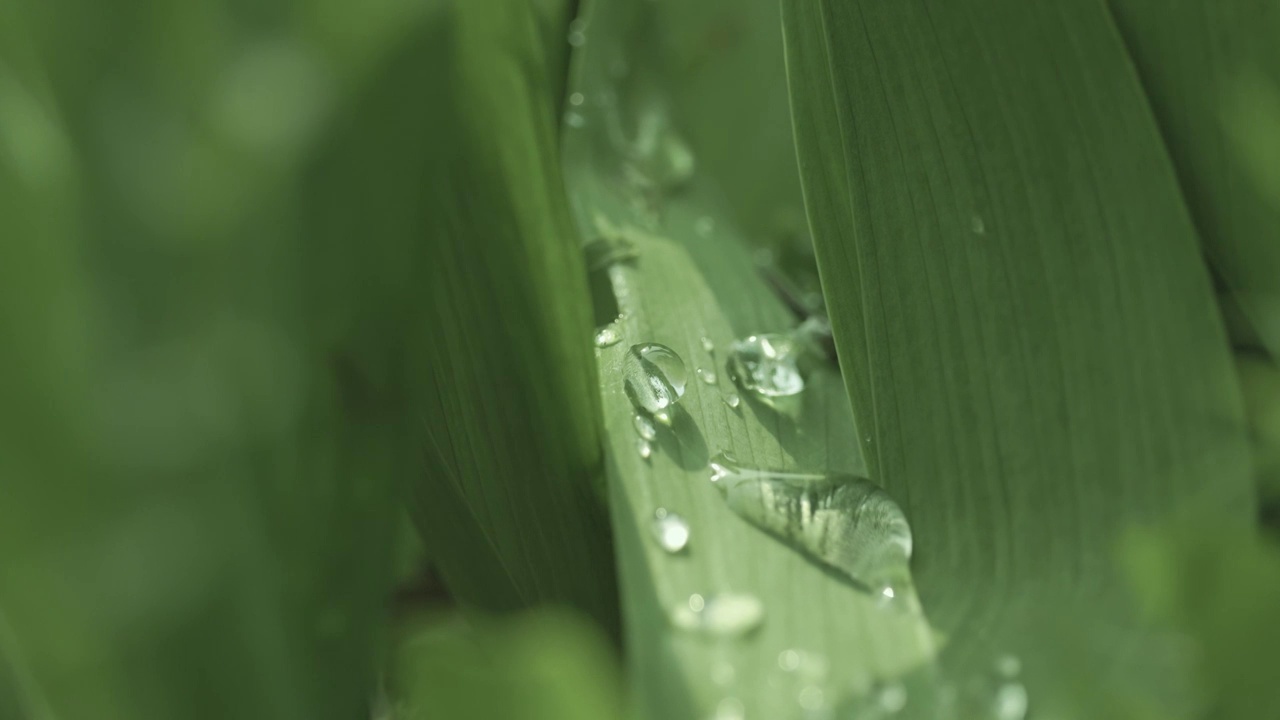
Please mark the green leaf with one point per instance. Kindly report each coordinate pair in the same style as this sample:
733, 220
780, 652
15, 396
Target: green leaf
1028, 335
692, 277
510, 504
1211, 70
539, 665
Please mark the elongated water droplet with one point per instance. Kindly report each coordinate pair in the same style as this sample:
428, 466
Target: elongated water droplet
842, 520
766, 365
606, 336
724, 614
655, 378
644, 448
708, 346
670, 530
707, 376
644, 427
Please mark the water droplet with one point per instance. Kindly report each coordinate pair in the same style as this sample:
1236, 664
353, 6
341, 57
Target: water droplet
732, 399
577, 99
765, 365
607, 336
574, 120
789, 660
577, 32
644, 449
1008, 665
892, 698
724, 614
812, 698
655, 378
707, 376
707, 346
730, 708
979, 226
670, 530
842, 520
644, 427
704, 225
663, 417
723, 673
1011, 702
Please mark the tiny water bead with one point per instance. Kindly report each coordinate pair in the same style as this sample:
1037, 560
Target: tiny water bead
707, 376
766, 365
577, 98
644, 427
725, 614
841, 520
707, 346
644, 449
732, 399
670, 530
654, 378
607, 336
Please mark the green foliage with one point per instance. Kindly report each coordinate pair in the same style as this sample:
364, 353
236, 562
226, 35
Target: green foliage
508, 503
542, 665
1027, 332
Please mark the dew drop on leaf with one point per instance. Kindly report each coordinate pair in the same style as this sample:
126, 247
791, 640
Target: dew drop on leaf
644, 427
654, 378
707, 376
721, 615
766, 365
840, 520
607, 336
671, 531
644, 449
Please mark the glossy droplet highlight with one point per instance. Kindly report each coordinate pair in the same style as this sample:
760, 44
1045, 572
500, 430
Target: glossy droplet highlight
654, 378
707, 346
644, 427
670, 530
766, 365
841, 520
607, 336
721, 615
644, 449
707, 376
732, 399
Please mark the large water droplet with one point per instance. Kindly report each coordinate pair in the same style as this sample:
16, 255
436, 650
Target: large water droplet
766, 365
607, 336
655, 378
724, 614
841, 520
644, 427
670, 530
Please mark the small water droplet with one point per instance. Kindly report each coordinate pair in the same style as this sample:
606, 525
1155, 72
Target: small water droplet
663, 417
812, 698
789, 660
607, 336
724, 614
704, 225
730, 708
732, 399
979, 226
670, 530
1008, 665
654, 378
577, 32
577, 99
723, 673
1011, 702
842, 520
644, 449
766, 365
707, 346
707, 376
644, 427
892, 698
574, 120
